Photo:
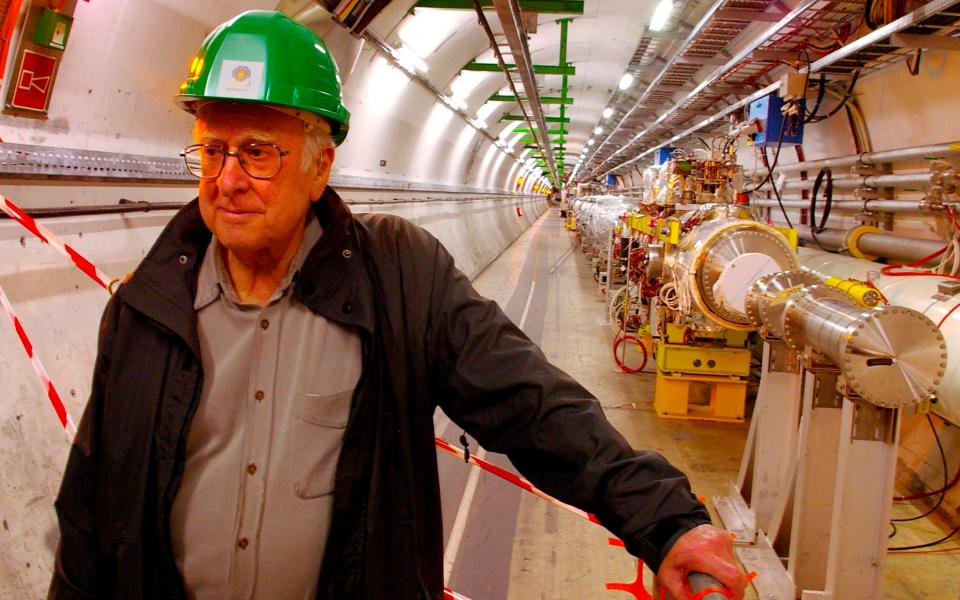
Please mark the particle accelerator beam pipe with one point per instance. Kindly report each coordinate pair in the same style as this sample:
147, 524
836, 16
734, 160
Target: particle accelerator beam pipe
891, 356
898, 248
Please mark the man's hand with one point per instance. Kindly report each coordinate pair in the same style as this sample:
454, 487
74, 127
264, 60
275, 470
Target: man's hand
703, 549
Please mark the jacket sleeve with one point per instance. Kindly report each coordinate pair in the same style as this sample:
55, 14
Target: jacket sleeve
75, 575
498, 386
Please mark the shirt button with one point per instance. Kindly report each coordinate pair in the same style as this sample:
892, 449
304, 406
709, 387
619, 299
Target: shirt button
251, 468
243, 542
259, 395
264, 324
347, 254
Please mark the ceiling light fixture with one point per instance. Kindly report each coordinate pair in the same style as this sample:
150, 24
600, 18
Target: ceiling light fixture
626, 81
661, 14
409, 60
607, 113
598, 130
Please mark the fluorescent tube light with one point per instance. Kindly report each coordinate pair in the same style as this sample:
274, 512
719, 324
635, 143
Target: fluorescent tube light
661, 14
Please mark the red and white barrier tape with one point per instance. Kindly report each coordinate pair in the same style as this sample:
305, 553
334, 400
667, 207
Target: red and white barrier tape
449, 594
52, 394
516, 480
50, 238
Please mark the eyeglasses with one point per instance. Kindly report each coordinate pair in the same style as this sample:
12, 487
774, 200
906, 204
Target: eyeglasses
260, 161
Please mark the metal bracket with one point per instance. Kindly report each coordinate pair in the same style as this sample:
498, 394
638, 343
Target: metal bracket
912, 40
862, 169
880, 220
825, 394
773, 581
24, 161
872, 423
913, 61
869, 193
782, 358
736, 516
946, 290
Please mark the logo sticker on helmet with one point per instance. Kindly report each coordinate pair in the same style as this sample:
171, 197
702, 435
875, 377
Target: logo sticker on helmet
240, 79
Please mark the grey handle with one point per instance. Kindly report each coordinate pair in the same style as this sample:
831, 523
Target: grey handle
702, 581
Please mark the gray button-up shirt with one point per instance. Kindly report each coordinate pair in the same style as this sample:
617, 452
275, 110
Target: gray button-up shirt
252, 513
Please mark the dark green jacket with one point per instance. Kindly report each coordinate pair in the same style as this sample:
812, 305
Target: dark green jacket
428, 339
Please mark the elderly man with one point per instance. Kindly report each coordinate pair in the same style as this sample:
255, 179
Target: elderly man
260, 424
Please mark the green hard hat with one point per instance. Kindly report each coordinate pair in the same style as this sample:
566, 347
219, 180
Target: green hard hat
264, 56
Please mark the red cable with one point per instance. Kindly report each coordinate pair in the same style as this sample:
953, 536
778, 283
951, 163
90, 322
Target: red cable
949, 312
920, 495
890, 271
953, 217
616, 346
6, 32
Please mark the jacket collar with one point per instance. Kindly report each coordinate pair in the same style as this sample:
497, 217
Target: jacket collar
332, 282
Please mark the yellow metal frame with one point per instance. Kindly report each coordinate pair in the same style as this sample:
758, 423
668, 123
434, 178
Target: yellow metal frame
686, 360
728, 397
666, 230
733, 338
791, 234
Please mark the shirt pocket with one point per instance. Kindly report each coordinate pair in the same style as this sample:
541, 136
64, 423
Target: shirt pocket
317, 439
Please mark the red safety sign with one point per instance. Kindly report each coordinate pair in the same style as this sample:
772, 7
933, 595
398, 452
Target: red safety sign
34, 81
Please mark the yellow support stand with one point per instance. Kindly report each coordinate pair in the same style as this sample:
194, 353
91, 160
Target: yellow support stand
727, 399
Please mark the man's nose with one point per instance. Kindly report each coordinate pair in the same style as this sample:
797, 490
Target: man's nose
233, 179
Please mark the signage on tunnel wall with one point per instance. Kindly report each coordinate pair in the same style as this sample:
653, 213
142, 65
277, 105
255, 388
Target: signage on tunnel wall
33, 81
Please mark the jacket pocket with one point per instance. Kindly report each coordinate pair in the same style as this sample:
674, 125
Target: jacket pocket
317, 438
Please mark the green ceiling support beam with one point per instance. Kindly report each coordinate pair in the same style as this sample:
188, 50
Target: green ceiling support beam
543, 99
556, 7
538, 69
530, 140
549, 131
547, 119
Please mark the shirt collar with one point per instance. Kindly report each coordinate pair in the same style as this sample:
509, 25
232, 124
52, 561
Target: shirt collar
214, 279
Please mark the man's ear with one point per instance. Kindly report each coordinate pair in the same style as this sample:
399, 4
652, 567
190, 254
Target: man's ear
324, 162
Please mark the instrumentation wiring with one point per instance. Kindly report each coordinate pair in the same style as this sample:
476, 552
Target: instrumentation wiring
946, 478
847, 96
773, 184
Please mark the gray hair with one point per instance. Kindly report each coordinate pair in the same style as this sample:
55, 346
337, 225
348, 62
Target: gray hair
316, 139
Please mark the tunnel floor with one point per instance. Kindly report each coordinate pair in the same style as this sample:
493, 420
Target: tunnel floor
506, 544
